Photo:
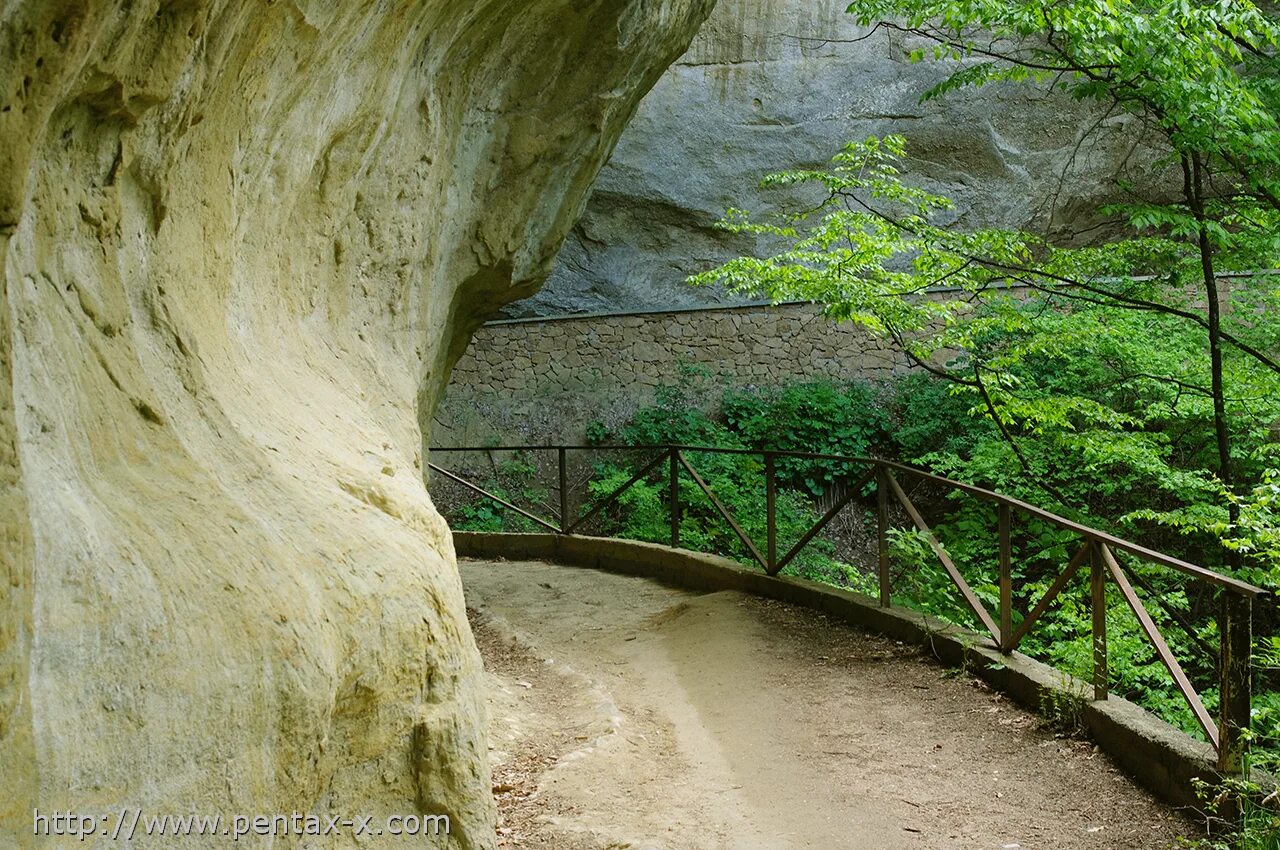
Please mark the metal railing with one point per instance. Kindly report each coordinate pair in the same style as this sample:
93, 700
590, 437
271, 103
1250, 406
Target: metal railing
1227, 735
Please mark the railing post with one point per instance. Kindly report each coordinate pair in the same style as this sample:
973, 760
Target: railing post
564, 491
1098, 605
770, 509
675, 499
1003, 520
1235, 675
882, 535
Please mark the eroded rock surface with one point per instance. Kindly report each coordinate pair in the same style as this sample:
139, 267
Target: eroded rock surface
243, 242
775, 84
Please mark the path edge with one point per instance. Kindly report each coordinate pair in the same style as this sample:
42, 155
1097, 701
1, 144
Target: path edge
1165, 760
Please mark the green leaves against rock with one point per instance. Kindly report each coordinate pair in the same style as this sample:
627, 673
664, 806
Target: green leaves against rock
1133, 383
1202, 73
1105, 352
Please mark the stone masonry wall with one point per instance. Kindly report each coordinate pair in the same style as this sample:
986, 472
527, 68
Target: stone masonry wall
529, 381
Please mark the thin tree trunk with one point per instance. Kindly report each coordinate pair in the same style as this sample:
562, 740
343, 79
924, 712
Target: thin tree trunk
1194, 191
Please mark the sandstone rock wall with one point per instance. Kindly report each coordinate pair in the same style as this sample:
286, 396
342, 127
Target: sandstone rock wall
771, 84
243, 242
533, 382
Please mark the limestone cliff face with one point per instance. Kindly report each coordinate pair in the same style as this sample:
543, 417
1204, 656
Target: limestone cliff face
772, 84
243, 242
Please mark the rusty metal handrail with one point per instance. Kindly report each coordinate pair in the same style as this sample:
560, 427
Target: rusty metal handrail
1228, 735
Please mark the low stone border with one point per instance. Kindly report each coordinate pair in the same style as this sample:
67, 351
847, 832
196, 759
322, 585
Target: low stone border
1157, 755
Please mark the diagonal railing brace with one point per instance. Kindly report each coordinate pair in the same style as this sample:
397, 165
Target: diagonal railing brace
947, 564
1162, 648
501, 501
724, 512
849, 495
613, 497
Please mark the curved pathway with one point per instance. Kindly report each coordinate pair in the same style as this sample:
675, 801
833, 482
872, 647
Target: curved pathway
627, 714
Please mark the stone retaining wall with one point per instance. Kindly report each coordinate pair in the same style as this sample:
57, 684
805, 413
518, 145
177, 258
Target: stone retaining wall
547, 379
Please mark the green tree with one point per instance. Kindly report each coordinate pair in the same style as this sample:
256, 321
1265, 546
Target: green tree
1201, 78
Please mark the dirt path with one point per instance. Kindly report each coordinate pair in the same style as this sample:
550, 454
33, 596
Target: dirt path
631, 715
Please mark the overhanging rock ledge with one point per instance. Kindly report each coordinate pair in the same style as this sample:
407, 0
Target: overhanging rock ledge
243, 242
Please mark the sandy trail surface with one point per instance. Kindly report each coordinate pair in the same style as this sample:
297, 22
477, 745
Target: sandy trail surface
627, 714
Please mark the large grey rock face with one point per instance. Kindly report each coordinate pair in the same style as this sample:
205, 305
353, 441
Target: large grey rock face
243, 242
772, 84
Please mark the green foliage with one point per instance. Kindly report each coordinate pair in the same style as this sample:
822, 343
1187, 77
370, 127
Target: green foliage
1083, 405
1122, 360
678, 416
923, 584
932, 417
598, 434
481, 514
1258, 532
757, 420
1125, 384
815, 416
484, 515
1242, 814
1201, 72
514, 479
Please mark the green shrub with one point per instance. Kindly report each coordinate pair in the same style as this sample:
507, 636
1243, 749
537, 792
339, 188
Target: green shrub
817, 417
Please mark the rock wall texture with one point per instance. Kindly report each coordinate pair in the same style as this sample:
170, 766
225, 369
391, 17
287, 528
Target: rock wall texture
771, 84
539, 381
243, 242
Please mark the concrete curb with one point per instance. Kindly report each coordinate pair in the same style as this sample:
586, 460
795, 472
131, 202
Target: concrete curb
1160, 757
